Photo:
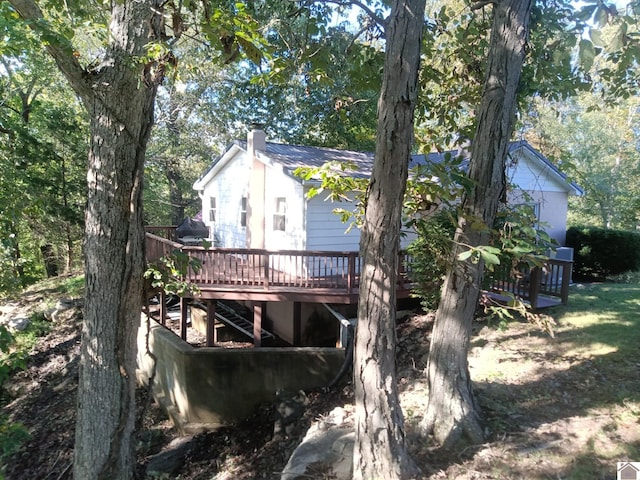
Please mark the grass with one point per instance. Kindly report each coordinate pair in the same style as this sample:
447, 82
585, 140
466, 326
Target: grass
569, 405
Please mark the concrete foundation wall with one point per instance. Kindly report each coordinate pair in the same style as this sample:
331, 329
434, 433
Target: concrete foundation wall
209, 387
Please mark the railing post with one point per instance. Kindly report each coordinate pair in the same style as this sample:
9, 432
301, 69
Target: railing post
535, 277
266, 260
351, 275
400, 270
567, 269
183, 318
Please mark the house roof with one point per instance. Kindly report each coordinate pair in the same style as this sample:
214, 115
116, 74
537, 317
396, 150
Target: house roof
291, 157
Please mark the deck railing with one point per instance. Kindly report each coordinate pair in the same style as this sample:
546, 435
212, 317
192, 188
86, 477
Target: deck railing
268, 269
551, 279
337, 271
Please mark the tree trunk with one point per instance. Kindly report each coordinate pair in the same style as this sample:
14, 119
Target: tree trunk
452, 414
121, 120
380, 450
119, 96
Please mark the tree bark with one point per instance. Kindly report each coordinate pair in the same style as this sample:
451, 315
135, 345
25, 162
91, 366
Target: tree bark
380, 451
119, 96
452, 414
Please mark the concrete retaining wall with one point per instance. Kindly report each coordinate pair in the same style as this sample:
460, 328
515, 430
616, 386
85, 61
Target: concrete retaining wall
207, 387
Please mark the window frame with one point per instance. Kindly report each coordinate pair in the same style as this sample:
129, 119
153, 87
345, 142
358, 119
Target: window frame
280, 215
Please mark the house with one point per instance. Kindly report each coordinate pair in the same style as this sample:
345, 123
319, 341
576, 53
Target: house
252, 199
287, 259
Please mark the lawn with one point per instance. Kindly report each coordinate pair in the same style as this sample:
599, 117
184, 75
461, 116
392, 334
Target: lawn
562, 407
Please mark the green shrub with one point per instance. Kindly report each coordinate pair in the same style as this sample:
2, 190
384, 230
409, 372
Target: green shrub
430, 254
600, 253
12, 436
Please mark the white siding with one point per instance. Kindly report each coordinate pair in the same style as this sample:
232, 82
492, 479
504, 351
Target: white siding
541, 184
228, 187
530, 175
325, 231
553, 210
280, 185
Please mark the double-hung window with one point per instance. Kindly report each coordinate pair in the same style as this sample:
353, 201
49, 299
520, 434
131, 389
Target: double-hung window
280, 214
212, 209
243, 212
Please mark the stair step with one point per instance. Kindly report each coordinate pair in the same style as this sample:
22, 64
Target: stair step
231, 318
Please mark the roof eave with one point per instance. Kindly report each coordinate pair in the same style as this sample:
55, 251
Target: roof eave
216, 166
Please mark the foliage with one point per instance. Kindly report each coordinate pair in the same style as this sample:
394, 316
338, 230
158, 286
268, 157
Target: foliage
596, 145
15, 347
456, 43
610, 52
169, 271
73, 286
42, 160
7, 341
14, 353
430, 254
600, 253
12, 436
517, 240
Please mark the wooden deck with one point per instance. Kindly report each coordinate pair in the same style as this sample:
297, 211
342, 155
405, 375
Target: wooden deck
333, 277
541, 286
273, 275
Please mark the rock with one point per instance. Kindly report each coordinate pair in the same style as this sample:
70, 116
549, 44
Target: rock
171, 458
63, 305
14, 317
325, 451
289, 409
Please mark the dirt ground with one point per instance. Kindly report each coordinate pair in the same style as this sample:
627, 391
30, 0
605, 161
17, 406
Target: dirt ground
549, 412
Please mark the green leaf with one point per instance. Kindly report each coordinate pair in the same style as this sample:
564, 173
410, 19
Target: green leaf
586, 12
489, 258
587, 54
465, 255
601, 17
619, 39
596, 37
251, 51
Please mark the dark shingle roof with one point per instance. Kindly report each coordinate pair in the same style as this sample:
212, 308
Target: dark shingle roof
291, 157
294, 156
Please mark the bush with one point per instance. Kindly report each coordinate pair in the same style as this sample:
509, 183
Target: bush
430, 254
600, 253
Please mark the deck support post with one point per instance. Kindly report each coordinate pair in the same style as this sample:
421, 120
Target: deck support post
183, 318
297, 323
211, 323
259, 309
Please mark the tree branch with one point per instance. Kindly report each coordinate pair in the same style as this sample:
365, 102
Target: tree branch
60, 48
380, 21
483, 3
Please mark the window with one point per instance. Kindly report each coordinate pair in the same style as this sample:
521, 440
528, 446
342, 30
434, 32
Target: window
243, 212
212, 209
280, 215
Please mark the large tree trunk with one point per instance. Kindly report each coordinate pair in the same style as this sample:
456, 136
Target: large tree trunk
452, 414
114, 261
121, 120
119, 96
380, 450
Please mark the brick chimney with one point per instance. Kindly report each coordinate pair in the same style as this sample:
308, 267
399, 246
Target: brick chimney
256, 139
256, 142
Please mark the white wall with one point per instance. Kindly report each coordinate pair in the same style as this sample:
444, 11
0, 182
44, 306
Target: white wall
228, 187
325, 231
280, 185
531, 175
553, 211
552, 197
